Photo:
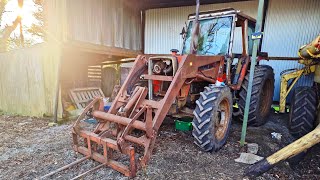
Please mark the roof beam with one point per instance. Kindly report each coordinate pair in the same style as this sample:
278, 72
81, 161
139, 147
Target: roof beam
153, 4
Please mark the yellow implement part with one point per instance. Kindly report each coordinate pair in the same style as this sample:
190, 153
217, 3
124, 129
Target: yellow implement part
284, 83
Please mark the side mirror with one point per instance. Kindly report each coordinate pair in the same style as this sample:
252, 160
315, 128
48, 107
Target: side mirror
183, 31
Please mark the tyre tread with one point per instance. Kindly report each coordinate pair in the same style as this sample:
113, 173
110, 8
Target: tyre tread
202, 122
302, 111
262, 72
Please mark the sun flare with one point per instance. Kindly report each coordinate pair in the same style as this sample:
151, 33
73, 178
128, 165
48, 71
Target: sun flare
20, 12
25, 12
12, 11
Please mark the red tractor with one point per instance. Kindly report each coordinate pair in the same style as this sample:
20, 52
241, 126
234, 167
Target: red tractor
206, 78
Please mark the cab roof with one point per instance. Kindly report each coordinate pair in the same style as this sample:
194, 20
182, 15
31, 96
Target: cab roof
223, 12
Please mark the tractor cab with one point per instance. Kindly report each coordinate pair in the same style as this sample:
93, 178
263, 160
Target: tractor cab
218, 33
224, 32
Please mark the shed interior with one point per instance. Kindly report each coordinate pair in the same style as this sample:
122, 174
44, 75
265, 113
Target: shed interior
89, 58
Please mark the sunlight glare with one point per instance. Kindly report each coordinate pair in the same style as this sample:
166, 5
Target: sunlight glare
26, 12
20, 12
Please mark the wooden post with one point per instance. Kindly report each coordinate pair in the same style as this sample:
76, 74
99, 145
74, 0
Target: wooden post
291, 150
56, 105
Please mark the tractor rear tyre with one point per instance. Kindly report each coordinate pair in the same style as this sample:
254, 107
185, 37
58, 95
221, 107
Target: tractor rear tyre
303, 110
261, 97
212, 118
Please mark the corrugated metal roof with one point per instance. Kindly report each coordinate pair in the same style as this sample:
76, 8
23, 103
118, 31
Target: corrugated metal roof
152, 4
109, 23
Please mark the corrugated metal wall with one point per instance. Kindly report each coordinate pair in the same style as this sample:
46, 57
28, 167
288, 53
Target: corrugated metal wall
289, 24
56, 21
163, 26
109, 23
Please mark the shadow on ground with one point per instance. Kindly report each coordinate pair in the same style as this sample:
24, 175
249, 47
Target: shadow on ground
30, 149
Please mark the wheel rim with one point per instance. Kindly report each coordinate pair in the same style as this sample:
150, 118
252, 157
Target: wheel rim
266, 95
222, 119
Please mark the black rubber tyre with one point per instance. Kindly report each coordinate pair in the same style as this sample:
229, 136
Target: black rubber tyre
212, 118
262, 94
303, 110
302, 117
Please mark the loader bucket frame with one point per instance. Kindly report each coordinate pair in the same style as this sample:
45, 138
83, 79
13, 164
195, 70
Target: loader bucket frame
114, 132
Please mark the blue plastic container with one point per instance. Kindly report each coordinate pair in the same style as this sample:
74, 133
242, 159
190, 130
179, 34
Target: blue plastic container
106, 108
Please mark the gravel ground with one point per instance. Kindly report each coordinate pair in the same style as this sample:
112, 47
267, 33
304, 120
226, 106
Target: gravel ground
30, 149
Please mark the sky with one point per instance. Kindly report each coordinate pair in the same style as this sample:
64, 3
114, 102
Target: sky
11, 12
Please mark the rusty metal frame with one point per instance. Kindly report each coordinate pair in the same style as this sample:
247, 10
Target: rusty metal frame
245, 59
137, 112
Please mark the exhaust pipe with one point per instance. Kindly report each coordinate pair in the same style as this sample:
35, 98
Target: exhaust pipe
195, 31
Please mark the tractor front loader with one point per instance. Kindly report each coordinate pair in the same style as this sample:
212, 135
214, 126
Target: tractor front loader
134, 118
161, 85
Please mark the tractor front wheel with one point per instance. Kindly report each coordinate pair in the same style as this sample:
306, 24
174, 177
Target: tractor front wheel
212, 118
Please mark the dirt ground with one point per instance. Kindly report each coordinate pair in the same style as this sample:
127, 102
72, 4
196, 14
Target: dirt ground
30, 149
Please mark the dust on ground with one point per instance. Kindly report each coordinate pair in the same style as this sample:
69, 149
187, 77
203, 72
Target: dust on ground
30, 149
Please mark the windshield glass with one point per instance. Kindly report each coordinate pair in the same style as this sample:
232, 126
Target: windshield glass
214, 38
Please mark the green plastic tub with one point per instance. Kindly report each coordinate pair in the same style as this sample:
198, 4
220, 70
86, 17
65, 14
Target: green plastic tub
183, 124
